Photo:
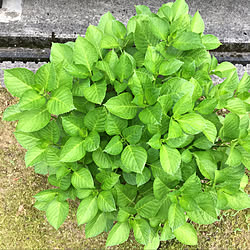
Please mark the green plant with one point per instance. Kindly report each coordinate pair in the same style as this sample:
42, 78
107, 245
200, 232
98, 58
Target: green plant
128, 121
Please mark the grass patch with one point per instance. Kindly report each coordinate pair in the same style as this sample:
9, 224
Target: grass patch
23, 226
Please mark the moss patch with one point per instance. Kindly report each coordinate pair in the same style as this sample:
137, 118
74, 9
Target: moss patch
23, 226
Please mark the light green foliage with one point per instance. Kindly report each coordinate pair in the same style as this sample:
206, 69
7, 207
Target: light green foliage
128, 121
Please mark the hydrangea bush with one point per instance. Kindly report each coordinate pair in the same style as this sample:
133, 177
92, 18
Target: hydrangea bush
128, 121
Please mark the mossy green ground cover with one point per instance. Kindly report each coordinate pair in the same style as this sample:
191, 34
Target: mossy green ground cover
23, 226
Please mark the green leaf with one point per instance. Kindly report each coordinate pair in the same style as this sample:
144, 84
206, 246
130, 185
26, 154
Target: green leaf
46, 195
118, 234
154, 241
134, 158
155, 141
224, 69
34, 155
142, 37
197, 24
237, 201
61, 172
228, 86
126, 194
112, 59
228, 179
78, 71
205, 212
179, 8
174, 130
87, 210
101, 159
31, 100
119, 29
130, 178
153, 60
27, 140
46, 77
202, 143
12, 113
236, 105
109, 42
165, 11
104, 66
186, 234
63, 78
245, 157
148, 206
122, 106
207, 106
206, 163
186, 156
110, 181
50, 133
61, 101
244, 84
92, 141
106, 202
141, 230
192, 123
125, 66
83, 193
33, 120
96, 226
132, 134
167, 233
72, 124
18, 80
210, 42
143, 178
57, 213
180, 142
166, 103
191, 186
115, 125
188, 41
94, 36
82, 179
61, 53
63, 183
234, 158
52, 157
115, 146
41, 205
95, 119
96, 92
170, 159
184, 105
73, 150
143, 9
170, 67
231, 126
160, 188
82, 105
79, 86
151, 115
84, 53
176, 216
210, 131
105, 23
160, 28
